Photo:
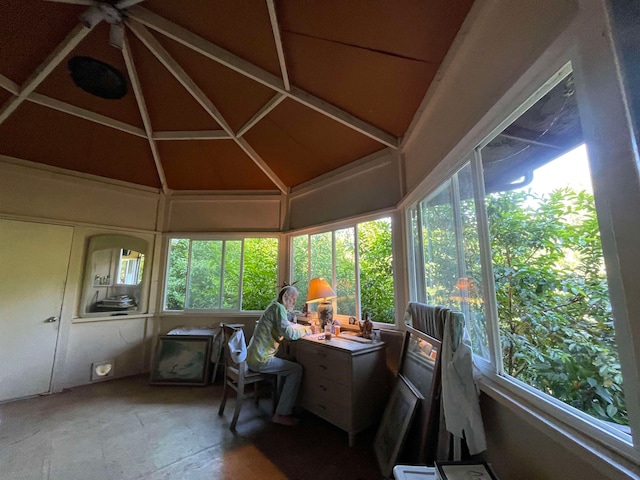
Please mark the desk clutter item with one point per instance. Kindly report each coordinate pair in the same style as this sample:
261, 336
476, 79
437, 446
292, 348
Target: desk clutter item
115, 303
464, 470
414, 472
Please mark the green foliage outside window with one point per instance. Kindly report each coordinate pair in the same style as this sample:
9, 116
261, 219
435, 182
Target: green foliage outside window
249, 266
553, 302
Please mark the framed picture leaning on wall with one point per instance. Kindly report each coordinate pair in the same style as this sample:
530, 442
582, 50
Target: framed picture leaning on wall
181, 360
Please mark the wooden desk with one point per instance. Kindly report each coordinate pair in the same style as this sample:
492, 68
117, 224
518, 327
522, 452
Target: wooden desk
344, 382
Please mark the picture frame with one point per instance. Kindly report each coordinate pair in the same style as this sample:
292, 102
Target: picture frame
463, 470
395, 424
420, 366
181, 360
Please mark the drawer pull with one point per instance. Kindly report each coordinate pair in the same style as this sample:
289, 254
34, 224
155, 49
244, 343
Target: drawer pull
321, 406
320, 354
323, 388
323, 367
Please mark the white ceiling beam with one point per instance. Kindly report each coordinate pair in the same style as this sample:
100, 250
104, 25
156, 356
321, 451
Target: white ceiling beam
69, 109
271, 104
187, 82
9, 85
228, 59
342, 117
248, 149
59, 53
192, 135
144, 113
178, 72
275, 27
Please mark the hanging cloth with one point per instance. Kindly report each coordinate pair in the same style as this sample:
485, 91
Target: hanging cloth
459, 392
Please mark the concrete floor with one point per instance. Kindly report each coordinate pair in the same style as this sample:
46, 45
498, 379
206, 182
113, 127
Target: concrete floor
125, 429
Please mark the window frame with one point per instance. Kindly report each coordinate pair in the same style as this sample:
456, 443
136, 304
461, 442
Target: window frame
610, 444
224, 237
353, 222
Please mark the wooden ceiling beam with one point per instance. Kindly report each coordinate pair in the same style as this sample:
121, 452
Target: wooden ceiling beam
37, 77
85, 114
144, 113
270, 105
192, 135
275, 26
248, 69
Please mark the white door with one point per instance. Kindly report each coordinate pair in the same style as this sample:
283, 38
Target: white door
33, 269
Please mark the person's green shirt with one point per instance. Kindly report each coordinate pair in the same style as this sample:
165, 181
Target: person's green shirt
271, 328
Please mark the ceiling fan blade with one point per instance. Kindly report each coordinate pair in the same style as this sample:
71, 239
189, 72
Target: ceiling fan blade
116, 35
75, 2
126, 3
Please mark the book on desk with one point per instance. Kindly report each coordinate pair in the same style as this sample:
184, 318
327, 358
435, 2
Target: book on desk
464, 470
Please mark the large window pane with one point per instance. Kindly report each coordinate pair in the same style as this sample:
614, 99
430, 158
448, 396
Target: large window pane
176, 288
365, 249
232, 261
300, 268
204, 275
555, 319
439, 248
346, 271
322, 256
468, 296
260, 273
222, 274
375, 256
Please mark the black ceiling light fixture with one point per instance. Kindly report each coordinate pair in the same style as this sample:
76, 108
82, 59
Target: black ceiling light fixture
97, 78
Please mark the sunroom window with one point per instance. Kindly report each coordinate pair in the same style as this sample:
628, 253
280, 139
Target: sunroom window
232, 274
556, 325
358, 263
544, 320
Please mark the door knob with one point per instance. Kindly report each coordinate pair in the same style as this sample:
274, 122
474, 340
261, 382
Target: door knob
51, 320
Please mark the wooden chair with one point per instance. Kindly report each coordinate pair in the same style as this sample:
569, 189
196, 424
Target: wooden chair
238, 376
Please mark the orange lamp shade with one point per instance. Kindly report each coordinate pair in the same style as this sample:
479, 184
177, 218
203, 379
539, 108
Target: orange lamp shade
319, 290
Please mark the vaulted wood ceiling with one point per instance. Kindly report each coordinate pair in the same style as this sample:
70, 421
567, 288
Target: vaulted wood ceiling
232, 95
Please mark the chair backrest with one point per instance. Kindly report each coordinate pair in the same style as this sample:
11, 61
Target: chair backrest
228, 330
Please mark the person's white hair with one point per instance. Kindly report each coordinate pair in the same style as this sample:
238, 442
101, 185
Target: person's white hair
287, 291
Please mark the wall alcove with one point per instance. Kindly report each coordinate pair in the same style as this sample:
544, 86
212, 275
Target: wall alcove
116, 276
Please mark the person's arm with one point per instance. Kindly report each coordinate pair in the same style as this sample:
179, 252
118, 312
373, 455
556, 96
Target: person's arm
290, 330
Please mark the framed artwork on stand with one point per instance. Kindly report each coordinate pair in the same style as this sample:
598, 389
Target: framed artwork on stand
395, 423
181, 360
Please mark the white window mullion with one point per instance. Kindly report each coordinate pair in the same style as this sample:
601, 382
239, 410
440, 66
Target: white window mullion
241, 273
356, 244
188, 279
221, 294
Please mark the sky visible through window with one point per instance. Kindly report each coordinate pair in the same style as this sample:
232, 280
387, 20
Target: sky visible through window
570, 169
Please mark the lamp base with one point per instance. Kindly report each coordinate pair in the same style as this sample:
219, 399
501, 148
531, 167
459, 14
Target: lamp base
325, 314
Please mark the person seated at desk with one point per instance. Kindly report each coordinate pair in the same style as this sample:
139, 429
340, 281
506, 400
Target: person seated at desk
271, 328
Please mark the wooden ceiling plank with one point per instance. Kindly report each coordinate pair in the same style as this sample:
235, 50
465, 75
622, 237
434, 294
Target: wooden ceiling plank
178, 72
278, 40
9, 85
40, 73
271, 104
85, 114
228, 59
343, 117
248, 149
144, 113
192, 135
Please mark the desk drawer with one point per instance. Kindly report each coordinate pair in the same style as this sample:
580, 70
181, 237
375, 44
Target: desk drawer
336, 414
319, 388
327, 363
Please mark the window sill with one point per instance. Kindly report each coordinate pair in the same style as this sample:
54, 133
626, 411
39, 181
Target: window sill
111, 317
600, 448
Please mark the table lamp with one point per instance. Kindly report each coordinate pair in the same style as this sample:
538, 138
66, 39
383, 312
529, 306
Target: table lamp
320, 292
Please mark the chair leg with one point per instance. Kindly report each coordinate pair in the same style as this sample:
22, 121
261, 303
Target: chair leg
225, 393
239, 399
